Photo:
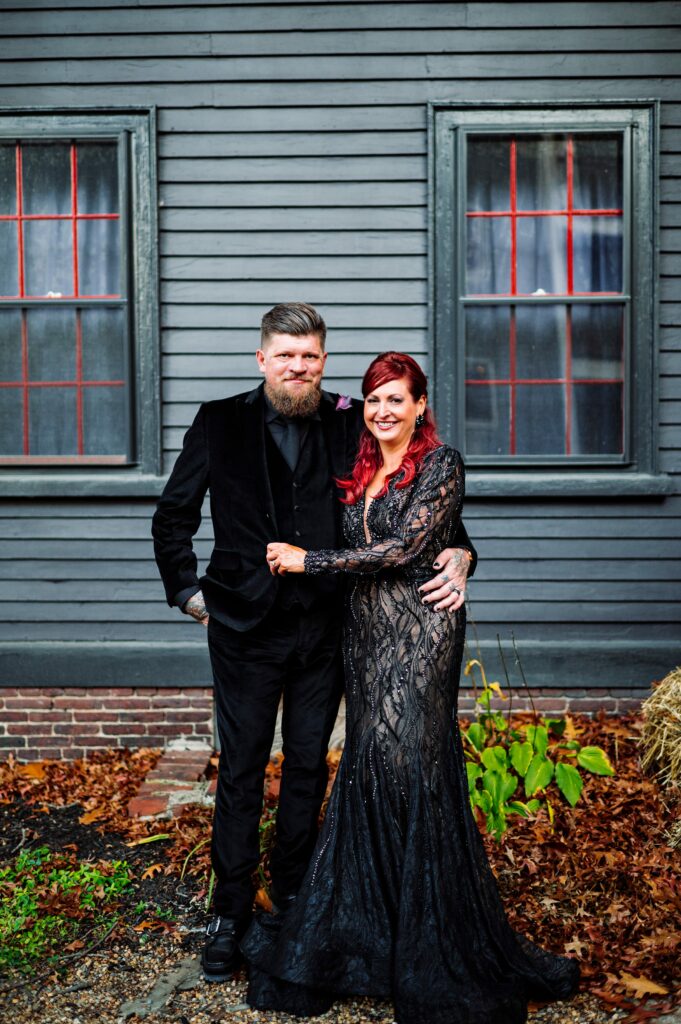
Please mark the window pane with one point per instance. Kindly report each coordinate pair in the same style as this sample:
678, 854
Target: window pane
597, 254
542, 249
488, 255
488, 173
99, 257
46, 176
597, 419
11, 421
51, 343
597, 171
47, 257
541, 173
104, 421
487, 342
9, 266
487, 419
103, 334
52, 421
540, 419
97, 177
540, 341
10, 344
598, 342
8, 179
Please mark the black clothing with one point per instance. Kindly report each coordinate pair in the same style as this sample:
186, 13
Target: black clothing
267, 634
298, 652
305, 512
288, 432
224, 451
399, 900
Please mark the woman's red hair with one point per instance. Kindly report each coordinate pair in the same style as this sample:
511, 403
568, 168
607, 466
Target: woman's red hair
386, 367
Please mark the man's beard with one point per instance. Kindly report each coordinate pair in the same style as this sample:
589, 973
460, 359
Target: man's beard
292, 404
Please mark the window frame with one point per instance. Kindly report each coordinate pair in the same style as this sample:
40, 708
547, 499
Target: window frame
134, 130
449, 123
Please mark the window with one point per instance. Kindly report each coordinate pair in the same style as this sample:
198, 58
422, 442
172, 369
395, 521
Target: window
543, 284
78, 351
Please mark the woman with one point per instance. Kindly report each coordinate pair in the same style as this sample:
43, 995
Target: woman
399, 900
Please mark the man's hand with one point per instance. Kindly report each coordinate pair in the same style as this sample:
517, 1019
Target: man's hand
283, 558
448, 588
196, 607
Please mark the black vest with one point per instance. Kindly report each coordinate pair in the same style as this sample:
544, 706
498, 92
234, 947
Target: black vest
306, 510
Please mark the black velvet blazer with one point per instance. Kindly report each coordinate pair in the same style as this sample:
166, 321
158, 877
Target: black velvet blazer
224, 452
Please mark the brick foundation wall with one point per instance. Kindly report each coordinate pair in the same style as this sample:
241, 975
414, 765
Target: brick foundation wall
67, 722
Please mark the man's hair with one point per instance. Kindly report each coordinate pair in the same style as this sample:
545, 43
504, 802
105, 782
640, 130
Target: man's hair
296, 318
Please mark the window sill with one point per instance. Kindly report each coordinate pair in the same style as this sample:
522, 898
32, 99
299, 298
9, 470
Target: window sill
523, 484
81, 485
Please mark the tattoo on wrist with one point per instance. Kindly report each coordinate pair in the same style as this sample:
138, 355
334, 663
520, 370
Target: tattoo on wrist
196, 605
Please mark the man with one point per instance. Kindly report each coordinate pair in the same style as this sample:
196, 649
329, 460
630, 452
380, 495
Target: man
268, 458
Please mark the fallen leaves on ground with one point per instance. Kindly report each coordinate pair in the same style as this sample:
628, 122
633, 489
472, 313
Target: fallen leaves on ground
602, 884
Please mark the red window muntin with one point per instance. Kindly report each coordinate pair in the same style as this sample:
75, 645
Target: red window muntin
25, 384
570, 212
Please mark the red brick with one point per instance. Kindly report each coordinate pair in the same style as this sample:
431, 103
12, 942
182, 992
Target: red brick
203, 729
126, 703
74, 702
31, 754
180, 774
21, 729
43, 740
119, 729
185, 716
9, 691
27, 702
608, 703
14, 716
49, 691
95, 716
118, 691
212, 787
627, 703
178, 808
170, 702
142, 716
184, 757
143, 806
82, 728
48, 716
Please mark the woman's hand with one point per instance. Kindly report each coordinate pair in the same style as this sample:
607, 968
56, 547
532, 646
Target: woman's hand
283, 558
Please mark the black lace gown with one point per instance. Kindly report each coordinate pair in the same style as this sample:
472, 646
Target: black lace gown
399, 900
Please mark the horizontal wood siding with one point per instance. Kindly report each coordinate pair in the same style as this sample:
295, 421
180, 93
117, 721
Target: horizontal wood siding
293, 165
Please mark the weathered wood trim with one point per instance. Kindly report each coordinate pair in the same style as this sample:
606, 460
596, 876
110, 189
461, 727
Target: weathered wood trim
555, 665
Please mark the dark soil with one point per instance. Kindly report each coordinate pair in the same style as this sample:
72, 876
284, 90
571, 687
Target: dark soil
25, 827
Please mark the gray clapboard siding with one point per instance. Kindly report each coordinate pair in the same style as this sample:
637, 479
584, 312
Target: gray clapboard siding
285, 179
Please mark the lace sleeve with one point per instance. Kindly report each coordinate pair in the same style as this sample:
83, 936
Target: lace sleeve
438, 495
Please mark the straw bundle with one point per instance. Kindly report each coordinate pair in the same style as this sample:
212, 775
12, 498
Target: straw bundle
660, 740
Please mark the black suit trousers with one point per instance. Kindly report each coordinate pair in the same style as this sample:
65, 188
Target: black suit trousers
294, 653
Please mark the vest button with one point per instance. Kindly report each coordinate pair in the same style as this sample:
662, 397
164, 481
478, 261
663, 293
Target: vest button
296, 508
298, 534
296, 486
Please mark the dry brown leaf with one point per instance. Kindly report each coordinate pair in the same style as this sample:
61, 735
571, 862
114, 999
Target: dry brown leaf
93, 815
642, 986
153, 869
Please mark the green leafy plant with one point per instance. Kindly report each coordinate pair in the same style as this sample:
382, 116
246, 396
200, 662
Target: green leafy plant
47, 901
510, 767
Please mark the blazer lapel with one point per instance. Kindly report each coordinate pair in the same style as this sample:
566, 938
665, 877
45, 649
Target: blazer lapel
252, 451
334, 425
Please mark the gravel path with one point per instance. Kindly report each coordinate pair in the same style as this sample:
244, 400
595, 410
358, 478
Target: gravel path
162, 979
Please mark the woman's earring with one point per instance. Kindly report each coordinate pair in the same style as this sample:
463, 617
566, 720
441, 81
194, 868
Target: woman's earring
420, 420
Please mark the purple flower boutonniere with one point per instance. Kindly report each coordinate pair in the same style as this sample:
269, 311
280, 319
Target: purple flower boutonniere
344, 402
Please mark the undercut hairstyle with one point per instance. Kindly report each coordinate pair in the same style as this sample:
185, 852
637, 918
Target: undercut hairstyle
296, 318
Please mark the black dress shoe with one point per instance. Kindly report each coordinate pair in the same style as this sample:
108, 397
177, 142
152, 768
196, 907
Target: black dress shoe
221, 954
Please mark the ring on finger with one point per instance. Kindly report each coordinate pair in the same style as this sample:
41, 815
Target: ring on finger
454, 590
